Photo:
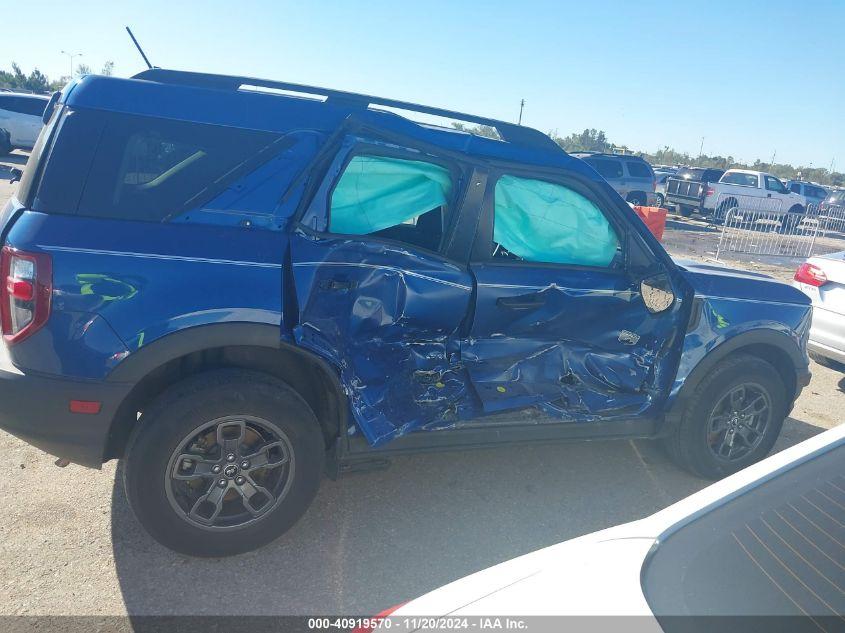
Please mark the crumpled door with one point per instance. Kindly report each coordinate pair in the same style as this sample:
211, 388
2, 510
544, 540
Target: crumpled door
387, 318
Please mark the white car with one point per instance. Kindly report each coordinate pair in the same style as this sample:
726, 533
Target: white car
767, 541
20, 120
822, 278
749, 190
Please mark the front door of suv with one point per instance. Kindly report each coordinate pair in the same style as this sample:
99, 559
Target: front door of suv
380, 293
560, 320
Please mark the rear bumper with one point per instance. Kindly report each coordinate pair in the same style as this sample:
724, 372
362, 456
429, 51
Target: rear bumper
35, 408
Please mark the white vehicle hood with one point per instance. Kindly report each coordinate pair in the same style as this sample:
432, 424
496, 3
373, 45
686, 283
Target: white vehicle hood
573, 578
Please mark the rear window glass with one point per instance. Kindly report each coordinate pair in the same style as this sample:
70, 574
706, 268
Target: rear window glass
690, 174
636, 169
738, 178
814, 192
776, 549
32, 106
606, 168
151, 169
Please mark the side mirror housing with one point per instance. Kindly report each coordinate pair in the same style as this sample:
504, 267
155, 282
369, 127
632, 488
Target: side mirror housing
657, 293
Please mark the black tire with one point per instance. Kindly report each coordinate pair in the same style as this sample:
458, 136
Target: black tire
722, 210
685, 211
638, 199
180, 412
824, 361
5, 143
661, 200
689, 446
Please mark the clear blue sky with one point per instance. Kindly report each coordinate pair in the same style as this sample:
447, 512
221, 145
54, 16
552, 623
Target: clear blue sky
751, 77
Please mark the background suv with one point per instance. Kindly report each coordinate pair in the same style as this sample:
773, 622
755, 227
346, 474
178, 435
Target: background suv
20, 120
631, 176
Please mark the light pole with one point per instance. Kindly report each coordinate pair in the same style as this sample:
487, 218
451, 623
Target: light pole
521, 106
71, 56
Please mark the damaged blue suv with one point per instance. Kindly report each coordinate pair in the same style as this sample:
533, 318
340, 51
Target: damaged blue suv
238, 285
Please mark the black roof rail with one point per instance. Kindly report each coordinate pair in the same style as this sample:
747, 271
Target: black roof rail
509, 132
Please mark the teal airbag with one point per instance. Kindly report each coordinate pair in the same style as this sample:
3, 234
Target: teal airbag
376, 192
543, 222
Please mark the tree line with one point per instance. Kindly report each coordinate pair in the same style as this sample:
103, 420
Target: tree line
592, 140
38, 82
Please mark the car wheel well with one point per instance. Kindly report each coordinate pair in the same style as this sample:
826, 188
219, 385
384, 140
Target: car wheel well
308, 376
777, 358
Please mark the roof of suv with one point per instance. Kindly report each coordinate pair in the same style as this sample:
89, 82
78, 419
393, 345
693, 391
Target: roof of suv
252, 103
607, 155
25, 95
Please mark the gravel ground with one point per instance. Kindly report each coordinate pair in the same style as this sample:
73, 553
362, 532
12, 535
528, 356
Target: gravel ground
69, 544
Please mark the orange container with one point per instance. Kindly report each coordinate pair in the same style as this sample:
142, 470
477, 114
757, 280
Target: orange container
654, 218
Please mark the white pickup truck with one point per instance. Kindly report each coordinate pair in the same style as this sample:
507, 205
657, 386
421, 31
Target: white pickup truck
750, 191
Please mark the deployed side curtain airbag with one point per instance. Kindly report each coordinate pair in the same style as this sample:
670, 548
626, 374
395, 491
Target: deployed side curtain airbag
543, 222
376, 192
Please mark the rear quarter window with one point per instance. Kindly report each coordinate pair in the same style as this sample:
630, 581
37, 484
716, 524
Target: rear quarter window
606, 168
151, 169
637, 169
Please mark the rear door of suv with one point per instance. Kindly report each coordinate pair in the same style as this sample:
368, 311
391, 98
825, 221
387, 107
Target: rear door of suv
382, 286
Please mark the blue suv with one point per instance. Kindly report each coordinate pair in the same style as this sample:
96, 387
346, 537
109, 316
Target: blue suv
238, 285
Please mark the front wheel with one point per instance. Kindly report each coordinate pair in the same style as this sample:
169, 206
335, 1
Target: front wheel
660, 199
732, 420
223, 463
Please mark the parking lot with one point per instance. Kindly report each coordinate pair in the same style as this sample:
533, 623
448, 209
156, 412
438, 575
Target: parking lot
69, 544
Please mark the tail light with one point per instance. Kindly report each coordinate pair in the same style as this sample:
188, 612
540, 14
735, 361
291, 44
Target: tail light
25, 292
810, 274
709, 192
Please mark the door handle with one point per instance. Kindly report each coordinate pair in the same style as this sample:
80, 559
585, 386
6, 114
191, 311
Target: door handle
521, 303
339, 284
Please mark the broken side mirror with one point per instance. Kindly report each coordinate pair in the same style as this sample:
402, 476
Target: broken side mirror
657, 293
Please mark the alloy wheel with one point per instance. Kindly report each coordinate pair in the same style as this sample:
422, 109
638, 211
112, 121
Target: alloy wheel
738, 422
230, 472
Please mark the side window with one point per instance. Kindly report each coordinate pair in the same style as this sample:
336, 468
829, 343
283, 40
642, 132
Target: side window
636, 169
403, 200
32, 106
539, 221
773, 184
795, 187
606, 168
151, 169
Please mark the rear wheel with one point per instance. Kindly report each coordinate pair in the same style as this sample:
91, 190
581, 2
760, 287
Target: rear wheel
638, 199
5, 143
830, 363
223, 463
732, 420
660, 199
685, 211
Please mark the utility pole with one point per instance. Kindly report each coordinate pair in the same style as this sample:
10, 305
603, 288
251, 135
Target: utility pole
71, 56
772, 164
701, 148
521, 106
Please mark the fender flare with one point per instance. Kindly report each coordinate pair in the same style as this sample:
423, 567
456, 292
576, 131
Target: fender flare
143, 363
194, 339
761, 337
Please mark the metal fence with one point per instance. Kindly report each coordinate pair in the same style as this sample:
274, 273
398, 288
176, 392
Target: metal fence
760, 226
